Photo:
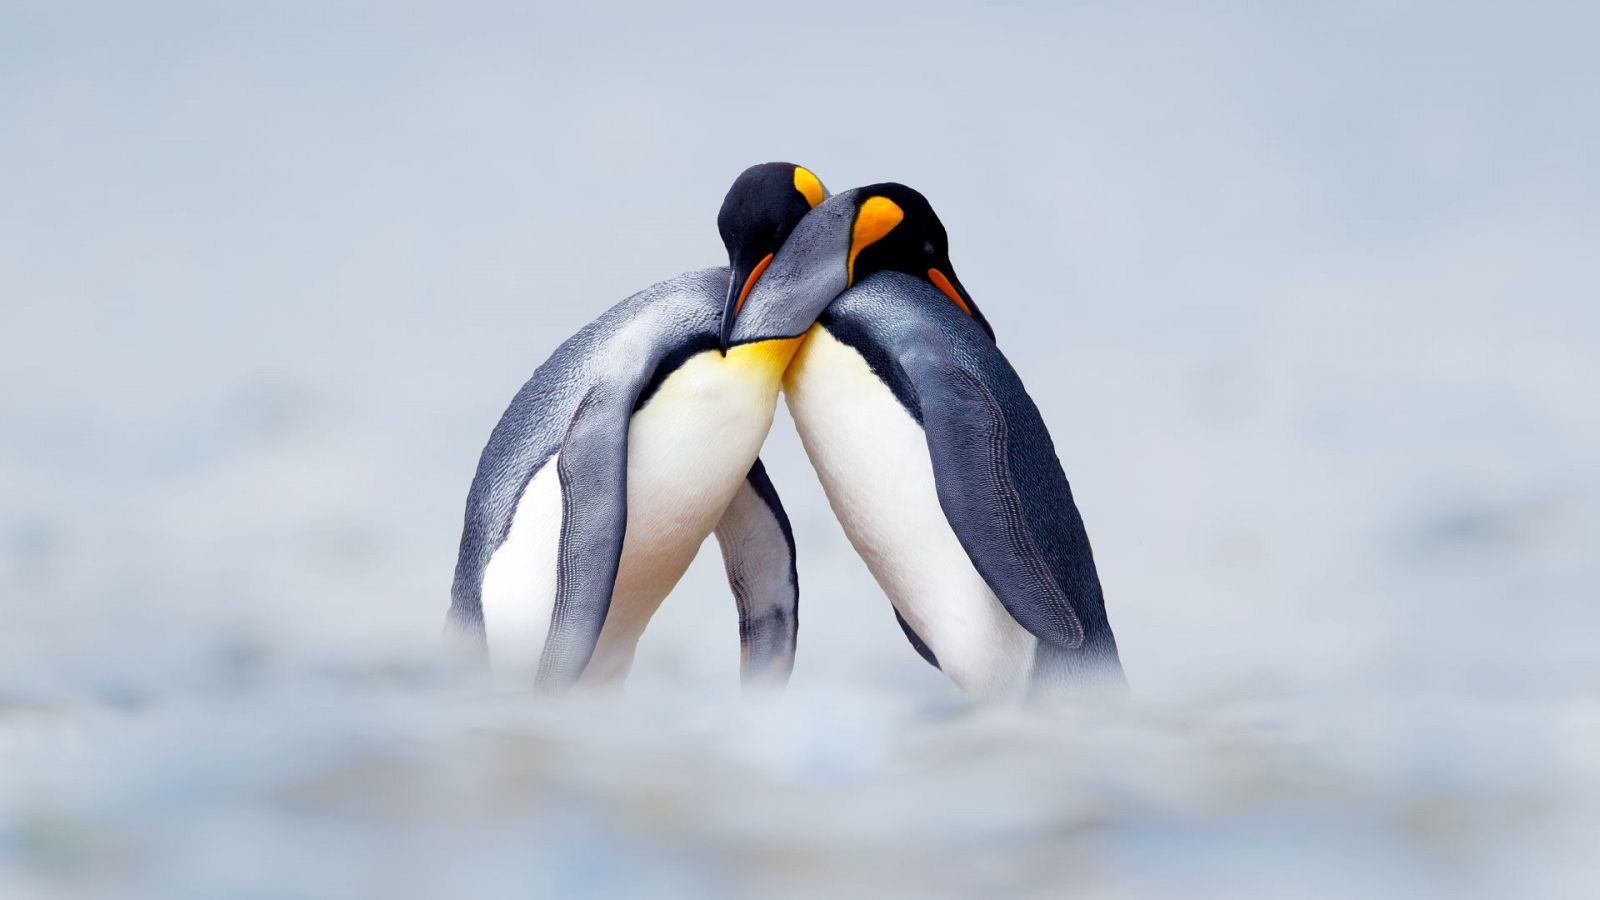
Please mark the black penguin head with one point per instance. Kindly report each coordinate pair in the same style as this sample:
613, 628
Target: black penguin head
761, 210
910, 239
878, 228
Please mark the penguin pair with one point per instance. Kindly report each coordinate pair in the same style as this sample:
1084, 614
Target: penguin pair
931, 453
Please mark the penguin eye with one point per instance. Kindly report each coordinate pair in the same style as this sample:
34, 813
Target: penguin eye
927, 248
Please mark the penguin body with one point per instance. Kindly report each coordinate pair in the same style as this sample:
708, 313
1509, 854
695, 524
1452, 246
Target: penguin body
636, 440
871, 455
629, 443
888, 361
935, 459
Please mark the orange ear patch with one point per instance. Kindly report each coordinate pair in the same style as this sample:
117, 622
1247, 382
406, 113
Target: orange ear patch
755, 276
877, 217
943, 284
808, 185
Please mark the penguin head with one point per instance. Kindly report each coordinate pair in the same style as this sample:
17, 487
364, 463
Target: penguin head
884, 227
914, 242
761, 210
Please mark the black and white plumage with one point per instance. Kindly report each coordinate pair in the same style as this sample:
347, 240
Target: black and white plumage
630, 445
935, 459
627, 448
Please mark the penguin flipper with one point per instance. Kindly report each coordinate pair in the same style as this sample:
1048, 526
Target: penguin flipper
593, 470
917, 643
967, 437
758, 553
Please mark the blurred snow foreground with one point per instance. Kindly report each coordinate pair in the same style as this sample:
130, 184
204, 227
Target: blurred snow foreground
252, 775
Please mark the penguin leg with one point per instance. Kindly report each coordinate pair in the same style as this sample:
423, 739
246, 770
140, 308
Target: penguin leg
593, 469
758, 553
466, 642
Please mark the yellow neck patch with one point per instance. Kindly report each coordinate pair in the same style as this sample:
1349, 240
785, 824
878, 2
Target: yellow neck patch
763, 359
808, 185
877, 217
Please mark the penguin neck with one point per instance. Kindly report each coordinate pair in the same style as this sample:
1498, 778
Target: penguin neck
764, 360
797, 359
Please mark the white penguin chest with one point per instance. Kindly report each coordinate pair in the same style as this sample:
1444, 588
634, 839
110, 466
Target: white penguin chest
689, 449
872, 459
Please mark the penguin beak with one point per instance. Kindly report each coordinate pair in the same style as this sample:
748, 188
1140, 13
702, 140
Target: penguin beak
742, 280
945, 280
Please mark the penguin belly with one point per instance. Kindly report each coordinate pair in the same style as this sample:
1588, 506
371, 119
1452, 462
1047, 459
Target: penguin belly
519, 584
689, 449
872, 459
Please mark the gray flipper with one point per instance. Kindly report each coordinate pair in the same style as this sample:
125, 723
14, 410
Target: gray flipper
578, 403
1001, 499
966, 432
593, 468
917, 643
758, 553
1001, 487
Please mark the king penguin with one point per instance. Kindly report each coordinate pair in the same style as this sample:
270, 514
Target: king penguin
933, 456
635, 440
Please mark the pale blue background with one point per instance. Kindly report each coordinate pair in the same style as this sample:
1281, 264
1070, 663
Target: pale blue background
1308, 295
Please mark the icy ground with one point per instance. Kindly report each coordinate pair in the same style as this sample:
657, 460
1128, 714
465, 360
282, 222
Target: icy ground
1307, 297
